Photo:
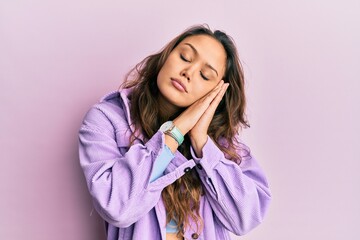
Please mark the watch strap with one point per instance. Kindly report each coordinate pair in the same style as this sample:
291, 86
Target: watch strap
175, 133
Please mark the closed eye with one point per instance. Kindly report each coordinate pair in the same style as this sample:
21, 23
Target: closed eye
183, 58
203, 76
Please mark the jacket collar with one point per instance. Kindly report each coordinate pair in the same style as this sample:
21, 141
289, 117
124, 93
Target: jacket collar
123, 95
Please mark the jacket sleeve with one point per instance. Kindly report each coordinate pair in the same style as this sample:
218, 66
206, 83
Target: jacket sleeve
238, 194
118, 181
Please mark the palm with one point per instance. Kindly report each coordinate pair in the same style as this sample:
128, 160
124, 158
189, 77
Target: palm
198, 134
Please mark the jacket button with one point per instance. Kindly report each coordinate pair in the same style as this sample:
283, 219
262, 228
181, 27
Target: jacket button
187, 169
195, 236
199, 166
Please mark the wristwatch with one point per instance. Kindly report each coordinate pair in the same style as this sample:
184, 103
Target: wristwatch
170, 129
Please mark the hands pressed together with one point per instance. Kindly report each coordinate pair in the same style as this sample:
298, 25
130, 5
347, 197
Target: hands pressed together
195, 120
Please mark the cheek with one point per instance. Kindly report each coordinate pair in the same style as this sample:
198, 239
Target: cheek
164, 71
172, 64
201, 91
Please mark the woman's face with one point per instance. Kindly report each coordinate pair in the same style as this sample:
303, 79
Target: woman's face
192, 69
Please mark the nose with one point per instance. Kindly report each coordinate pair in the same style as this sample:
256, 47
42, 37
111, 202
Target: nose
185, 73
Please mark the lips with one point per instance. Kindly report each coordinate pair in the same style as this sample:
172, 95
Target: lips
178, 85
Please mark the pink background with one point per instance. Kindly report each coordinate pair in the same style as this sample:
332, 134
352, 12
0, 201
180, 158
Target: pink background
302, 63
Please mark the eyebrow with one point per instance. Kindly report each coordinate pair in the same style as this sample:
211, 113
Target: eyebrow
196, 52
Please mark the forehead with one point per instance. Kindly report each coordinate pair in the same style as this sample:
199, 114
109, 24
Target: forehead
209, 50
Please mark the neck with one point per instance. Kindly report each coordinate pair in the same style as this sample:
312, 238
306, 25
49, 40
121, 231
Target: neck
166, 109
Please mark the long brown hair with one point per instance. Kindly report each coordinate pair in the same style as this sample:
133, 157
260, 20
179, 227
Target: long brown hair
182, 198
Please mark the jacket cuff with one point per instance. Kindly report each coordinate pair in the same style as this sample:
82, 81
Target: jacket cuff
156, 143
211, 156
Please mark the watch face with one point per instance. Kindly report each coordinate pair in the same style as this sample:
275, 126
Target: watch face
166, 126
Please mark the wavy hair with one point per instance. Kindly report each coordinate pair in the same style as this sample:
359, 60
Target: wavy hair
182, 198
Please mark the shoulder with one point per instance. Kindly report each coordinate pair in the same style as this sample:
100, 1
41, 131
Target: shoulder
112, 111
115, 102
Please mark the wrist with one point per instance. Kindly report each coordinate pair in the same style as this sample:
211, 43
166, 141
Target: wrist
181, 127
198, 144
171, 143
170, 129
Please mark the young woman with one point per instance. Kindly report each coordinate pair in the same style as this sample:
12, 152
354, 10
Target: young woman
162, 155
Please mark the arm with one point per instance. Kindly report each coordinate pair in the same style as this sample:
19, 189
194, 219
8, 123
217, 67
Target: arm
238, 194
118, 181
161, 163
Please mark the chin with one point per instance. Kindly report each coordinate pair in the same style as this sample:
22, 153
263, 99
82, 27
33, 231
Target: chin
173, 96
176, 100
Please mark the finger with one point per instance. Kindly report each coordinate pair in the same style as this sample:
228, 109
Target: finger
193, 113
216, 101
204, 102
220, 95
203, 124
209, 97
218, 87
210, 111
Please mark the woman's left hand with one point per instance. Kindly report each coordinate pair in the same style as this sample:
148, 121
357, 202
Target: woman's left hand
198, 134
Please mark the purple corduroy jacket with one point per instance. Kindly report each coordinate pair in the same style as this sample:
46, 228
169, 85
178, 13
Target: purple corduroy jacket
236, 196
